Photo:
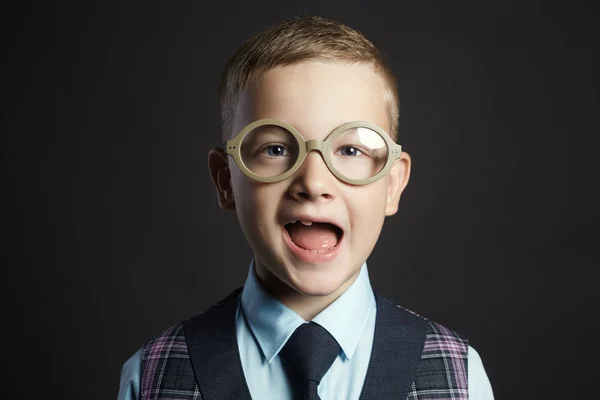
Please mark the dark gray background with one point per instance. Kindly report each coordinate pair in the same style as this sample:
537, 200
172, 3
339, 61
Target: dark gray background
113, 233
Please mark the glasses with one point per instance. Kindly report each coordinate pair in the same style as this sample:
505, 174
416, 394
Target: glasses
270, 150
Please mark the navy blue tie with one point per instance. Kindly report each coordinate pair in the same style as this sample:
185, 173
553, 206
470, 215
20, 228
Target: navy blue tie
310, 350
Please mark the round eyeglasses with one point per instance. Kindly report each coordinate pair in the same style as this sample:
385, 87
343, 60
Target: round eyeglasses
270, 150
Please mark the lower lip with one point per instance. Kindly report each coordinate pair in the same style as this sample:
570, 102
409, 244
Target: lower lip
311, 257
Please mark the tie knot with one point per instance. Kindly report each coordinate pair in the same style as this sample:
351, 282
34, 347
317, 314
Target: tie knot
311, 350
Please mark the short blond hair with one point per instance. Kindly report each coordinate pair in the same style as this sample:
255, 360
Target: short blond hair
297, 39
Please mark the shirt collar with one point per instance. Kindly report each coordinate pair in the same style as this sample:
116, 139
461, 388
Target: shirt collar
272, 323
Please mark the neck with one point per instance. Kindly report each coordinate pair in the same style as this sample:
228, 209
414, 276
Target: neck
306, 306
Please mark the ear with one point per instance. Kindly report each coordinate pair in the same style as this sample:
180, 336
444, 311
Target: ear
221, 178
398, 179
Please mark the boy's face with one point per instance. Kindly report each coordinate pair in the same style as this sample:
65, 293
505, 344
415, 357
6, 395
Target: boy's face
315, 98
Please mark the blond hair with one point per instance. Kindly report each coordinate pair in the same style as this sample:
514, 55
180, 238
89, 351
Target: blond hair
298, 39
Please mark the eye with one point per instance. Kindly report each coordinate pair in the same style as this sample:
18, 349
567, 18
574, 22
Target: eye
276, 150
349, 151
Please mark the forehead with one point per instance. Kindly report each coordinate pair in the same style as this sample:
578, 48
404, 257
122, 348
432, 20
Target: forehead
316, 97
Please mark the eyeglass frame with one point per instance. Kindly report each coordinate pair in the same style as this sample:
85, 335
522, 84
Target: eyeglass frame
232, 147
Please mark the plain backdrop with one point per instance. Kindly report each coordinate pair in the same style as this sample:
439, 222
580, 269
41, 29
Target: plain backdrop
111, 227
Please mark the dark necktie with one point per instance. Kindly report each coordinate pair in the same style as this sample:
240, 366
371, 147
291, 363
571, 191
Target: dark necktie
311, 350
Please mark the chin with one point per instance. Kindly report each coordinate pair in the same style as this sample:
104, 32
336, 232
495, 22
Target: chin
318, 283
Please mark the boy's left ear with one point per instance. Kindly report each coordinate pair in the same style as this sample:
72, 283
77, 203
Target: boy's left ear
398, 176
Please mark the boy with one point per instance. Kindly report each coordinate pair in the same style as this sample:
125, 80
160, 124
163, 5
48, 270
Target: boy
306, 323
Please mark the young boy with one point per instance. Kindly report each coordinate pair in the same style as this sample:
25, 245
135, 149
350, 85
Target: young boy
311, 167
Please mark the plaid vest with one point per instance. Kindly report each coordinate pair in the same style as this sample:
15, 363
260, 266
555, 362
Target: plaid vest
413, 358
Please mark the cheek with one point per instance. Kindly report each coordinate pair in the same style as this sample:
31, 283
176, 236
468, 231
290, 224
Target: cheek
367, 207
256, 203
245, 199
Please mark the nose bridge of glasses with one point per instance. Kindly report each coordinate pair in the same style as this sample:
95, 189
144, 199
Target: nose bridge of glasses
314, 144
317, 145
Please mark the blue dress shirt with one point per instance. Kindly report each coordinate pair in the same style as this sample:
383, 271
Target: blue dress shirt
264, 325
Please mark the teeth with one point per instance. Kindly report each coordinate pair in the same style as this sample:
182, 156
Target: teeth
319, 251
307, 223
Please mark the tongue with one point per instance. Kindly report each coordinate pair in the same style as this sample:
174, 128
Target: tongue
318, 236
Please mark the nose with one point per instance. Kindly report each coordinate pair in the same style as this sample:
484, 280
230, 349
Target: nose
313, 180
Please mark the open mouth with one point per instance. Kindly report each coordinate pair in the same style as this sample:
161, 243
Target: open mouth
314, 237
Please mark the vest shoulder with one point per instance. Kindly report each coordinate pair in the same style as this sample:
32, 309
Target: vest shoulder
167, 340
166, 368
435, 330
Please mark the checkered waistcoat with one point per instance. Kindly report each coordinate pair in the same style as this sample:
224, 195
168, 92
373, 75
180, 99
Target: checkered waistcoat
412, 358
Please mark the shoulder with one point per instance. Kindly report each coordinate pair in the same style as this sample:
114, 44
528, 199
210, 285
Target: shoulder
164, 342
438, 337
447, 338
166, 366
443, 342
